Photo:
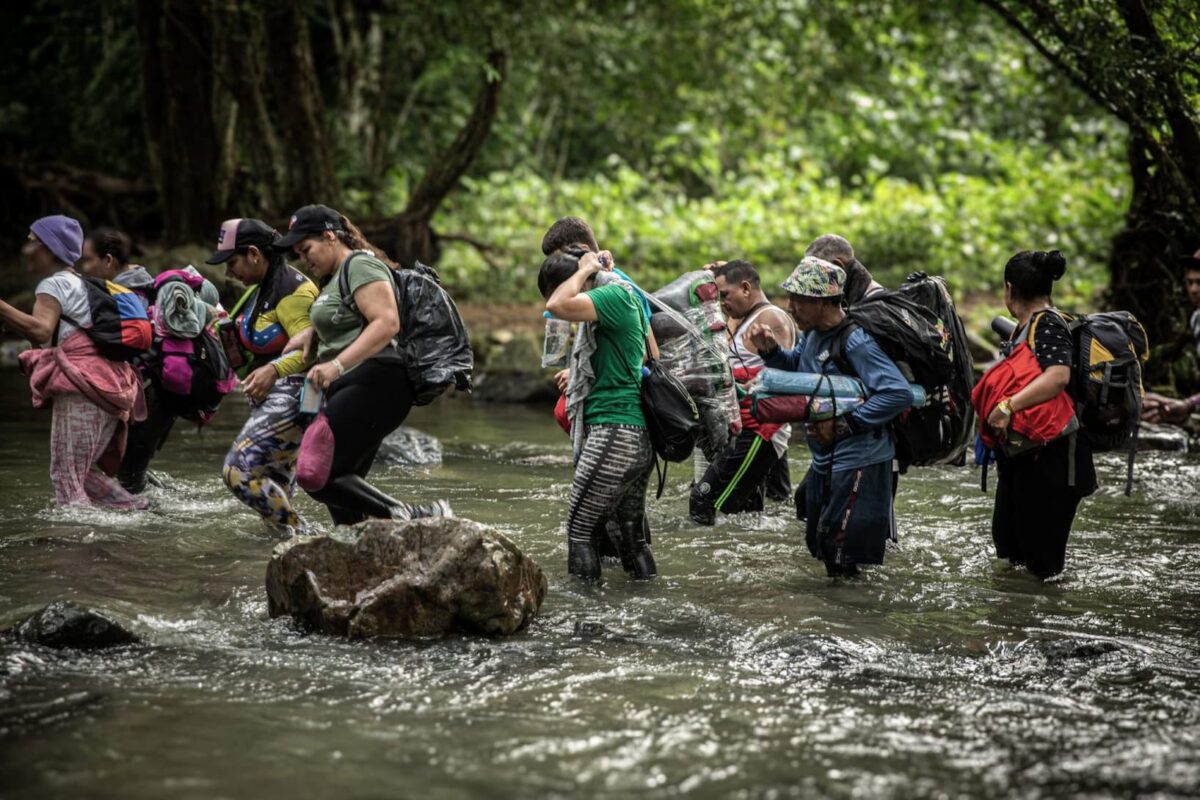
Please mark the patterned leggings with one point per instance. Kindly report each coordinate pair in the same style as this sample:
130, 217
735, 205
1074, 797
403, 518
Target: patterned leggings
260, 467
79, 435
610, 478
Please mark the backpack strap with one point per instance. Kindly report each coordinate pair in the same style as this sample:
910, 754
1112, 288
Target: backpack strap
837, 346
343, 279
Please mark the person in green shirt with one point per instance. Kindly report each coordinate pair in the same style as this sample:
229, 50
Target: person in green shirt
367, 391
614, 457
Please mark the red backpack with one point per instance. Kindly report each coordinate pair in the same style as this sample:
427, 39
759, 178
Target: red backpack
1031, 427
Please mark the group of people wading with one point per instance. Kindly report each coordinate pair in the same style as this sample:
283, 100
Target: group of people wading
331, 334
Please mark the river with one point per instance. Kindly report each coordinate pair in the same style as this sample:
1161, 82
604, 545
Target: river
742, 671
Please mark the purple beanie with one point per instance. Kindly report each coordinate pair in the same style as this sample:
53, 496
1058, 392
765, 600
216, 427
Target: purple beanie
62, 235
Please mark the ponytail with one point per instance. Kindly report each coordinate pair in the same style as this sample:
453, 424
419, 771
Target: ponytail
353, 238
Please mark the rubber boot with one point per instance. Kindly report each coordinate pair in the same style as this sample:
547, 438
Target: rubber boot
636, 557
583, 560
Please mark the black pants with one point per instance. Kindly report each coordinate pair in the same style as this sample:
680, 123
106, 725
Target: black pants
1035, 505
735, 481
361, 409
145, 439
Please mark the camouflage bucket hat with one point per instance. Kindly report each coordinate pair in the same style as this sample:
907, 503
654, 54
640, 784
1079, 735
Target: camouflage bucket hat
815, 277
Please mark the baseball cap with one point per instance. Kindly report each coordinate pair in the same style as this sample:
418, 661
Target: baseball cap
815, 277
238, 234
310, 221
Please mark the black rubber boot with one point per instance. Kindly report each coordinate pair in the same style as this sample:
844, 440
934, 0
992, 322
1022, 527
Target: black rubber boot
636, 557
583, 560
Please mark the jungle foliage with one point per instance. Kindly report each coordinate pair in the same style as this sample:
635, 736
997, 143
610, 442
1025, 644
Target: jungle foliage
937, 135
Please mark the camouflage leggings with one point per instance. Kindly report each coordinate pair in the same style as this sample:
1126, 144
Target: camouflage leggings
260, 467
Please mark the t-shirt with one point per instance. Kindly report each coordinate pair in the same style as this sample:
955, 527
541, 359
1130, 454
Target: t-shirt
1051, 340
616, 394
337, 325
67, 288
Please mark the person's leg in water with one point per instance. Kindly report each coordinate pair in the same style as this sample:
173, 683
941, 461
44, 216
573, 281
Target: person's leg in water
80, 432
733, 483
260, 467
636, 557
145, 439
778, 483
339, 447
613, 458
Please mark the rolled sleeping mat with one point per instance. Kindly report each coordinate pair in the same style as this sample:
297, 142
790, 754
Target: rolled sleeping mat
807, 408
781, 381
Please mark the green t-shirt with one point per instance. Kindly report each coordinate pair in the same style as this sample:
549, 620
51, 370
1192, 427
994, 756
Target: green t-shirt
336, 324
616, 395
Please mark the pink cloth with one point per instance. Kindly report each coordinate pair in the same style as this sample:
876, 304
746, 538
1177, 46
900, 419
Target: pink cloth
75, 367
80, 433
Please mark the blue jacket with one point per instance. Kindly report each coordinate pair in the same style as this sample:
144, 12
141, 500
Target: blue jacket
887, 396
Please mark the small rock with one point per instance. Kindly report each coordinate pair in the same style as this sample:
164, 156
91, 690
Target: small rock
65, 624
409, 447
1168, 438
421, 578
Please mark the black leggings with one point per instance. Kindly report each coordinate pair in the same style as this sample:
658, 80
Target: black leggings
146, 438
361, 409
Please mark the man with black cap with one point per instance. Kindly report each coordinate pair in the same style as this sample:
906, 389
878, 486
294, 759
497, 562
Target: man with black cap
848, 496
260, 467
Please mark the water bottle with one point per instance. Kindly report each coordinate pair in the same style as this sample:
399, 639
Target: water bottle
554, 345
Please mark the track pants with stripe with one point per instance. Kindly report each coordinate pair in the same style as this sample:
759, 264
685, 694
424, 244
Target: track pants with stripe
849, 516
610, 478
734, 482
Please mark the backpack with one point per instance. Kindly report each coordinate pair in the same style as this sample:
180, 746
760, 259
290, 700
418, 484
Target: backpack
433, 341
918, 327
120, 326
192, 374
1106, 382
671, 415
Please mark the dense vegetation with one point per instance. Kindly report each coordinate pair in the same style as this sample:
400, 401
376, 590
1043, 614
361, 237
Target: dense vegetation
937, 135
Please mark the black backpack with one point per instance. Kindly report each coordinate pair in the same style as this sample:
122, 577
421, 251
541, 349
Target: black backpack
206, 378
433, 341
918, 327
671, 416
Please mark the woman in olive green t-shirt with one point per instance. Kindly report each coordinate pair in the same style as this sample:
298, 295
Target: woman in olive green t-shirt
614, 465
367, 392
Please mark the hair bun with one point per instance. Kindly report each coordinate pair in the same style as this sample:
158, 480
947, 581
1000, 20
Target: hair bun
1053, 263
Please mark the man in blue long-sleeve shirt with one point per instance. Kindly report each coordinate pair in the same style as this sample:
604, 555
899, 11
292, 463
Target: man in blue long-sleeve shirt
849, 498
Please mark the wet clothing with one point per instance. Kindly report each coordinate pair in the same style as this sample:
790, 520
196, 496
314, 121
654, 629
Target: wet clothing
260, 467
610, 480
615, 397
145, 439
1035, 504
849, 516
336, 323
93, 402
736, 481
337, 451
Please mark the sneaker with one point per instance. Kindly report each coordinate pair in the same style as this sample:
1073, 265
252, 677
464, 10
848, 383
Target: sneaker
438, 508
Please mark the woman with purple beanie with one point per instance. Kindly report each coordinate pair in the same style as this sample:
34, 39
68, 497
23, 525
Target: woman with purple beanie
93, 398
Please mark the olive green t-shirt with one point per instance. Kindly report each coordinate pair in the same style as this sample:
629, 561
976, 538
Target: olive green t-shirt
337, 325
616, 395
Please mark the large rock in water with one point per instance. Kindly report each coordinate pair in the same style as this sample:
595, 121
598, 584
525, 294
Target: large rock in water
65, 624
420, 578
410, 447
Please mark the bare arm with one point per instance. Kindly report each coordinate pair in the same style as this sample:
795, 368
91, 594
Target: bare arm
569, 301
37, 327
377, 304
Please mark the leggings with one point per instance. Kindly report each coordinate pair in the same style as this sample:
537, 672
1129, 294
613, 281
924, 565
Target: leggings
361, 408
260, 467
610, 479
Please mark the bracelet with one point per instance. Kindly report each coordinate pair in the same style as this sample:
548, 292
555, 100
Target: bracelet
338, 364
1005, 407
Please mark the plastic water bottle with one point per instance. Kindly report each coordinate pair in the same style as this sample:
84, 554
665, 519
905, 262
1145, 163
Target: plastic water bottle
554, 345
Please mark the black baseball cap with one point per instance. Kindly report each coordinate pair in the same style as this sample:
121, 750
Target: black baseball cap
238, 234
310, 221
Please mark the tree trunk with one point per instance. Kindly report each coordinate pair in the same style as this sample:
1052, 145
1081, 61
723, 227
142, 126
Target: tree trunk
309, 176
177, 99
410, 237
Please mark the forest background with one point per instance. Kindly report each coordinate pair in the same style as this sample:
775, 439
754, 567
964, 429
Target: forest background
941, 135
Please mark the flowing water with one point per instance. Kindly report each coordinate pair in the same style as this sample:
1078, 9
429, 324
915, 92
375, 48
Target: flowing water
742, 671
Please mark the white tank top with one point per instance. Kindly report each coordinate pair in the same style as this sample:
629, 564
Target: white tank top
741, 355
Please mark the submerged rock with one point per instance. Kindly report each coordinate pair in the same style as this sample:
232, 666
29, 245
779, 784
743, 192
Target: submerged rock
409, 447
400, 579
1169, 438
65, 624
